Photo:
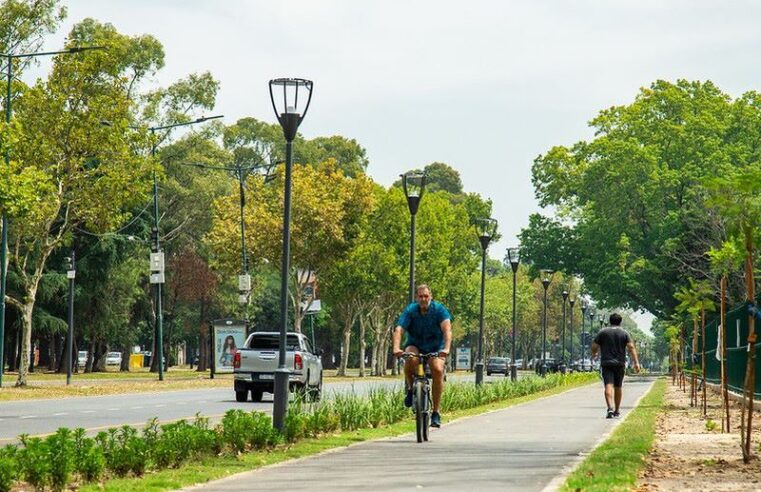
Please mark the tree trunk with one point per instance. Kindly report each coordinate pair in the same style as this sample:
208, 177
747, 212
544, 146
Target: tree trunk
26, 338
362, 345
348, 323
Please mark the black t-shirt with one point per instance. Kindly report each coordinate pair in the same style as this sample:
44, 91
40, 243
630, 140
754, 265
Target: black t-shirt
612, 342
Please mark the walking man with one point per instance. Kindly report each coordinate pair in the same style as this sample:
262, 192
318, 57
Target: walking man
611, 343
428, 327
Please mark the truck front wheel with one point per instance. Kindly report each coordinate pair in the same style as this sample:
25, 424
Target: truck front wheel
241, 395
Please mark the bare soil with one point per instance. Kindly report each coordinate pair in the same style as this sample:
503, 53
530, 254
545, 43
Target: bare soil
688, 456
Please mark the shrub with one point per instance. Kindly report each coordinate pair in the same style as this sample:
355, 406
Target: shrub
88, 458
8, 467
33, 461
124, 451
60, 450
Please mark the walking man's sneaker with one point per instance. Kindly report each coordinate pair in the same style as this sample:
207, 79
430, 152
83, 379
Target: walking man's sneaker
408, 399
610, 414
616, 414
435, 419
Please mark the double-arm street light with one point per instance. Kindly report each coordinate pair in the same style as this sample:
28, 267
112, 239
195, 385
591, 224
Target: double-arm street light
562, 344
413, 184
10, 58
157, 257
546, 280
514, 257
289, 115
485, 228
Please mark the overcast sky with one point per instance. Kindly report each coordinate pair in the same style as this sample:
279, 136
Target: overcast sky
483, 86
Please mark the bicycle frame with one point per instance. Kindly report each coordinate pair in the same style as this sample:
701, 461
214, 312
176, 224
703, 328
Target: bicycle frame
421, 394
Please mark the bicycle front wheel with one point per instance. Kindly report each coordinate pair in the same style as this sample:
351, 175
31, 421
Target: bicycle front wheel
420, 411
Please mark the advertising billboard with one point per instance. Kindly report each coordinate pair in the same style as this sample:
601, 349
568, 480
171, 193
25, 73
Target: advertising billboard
227, 336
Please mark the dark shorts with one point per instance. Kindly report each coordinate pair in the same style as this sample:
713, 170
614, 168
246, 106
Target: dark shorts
423, 347
613, 375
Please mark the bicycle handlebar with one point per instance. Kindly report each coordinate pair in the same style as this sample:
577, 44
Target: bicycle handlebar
410, 355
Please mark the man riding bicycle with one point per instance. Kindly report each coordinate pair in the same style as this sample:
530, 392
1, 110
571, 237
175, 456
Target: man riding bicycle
429, 329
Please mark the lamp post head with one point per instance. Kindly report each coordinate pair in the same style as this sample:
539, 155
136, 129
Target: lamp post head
514, 257
292, 111
486, 228
572, 301
565, 295
413, 184
547, 278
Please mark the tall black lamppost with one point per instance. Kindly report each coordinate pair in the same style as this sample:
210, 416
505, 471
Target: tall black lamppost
571, 302
289, 115
584, 308
413, 184
71, 273
486, 228
562, 344
9, 59
546, 280
514, 257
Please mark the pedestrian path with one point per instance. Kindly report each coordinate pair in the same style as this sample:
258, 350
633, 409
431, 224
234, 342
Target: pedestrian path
519, 448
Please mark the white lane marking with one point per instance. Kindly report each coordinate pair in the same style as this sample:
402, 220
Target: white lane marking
88, 411
136, 408
159, 406
28, 417
60, 414
113, 409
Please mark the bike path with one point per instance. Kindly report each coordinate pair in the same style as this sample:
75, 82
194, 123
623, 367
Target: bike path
519, 448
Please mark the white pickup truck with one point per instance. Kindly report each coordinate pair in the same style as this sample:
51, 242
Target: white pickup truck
255, 363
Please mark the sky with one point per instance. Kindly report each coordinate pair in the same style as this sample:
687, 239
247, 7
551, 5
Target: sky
484, 86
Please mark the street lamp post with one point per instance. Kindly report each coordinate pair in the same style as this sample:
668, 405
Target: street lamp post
486, 228
71, 273
589, 333
290, 116
546, 280
562, 345
9, 58
584, 308
413, 184
244, 280
571, 302
157, 256
514, 257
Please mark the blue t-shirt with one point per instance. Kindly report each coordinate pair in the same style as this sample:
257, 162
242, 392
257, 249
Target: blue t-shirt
424, 331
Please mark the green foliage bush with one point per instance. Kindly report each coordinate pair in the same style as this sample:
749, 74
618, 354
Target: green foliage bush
124, 451
60, 450
88, 458
33, 461
8, 467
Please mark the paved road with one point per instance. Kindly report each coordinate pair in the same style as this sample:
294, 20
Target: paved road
519, 448
95, 413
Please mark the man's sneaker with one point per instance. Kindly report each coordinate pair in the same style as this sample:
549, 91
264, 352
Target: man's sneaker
435, 419
616, 414
610, 414
408, 399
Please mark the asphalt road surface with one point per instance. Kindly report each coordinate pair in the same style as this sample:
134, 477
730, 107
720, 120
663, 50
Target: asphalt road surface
521, 448
40, 417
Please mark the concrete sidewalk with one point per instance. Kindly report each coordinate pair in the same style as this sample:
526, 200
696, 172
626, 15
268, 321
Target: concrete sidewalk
519, 448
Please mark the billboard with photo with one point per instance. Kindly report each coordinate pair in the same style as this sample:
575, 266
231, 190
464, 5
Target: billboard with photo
227, 336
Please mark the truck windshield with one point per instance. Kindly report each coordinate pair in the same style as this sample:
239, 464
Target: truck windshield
272, 342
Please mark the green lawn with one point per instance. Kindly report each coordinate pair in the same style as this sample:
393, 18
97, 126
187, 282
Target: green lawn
615, 463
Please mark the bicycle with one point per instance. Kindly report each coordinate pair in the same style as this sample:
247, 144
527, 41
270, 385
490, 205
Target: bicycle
421, 394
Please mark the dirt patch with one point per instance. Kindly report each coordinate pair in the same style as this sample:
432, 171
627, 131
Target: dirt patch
689, 456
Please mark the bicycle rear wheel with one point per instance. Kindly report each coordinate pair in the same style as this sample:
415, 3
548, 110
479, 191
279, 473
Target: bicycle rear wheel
420, 411
426, 411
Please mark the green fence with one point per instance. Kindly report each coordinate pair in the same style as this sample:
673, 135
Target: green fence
737, 350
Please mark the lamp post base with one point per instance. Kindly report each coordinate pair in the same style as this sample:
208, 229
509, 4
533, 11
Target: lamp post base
513, 372
280, 398
479, 373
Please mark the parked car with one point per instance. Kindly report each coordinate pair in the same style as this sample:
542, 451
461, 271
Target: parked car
498, 365
82, 358
255, 363
114, 359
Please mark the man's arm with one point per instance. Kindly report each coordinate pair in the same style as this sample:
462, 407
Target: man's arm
633, 352
446, 329
595, 349
397, 340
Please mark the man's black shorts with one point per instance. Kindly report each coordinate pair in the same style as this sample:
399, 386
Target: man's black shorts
613, 374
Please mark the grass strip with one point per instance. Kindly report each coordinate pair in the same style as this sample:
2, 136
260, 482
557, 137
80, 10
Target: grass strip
615, 463
214, 468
